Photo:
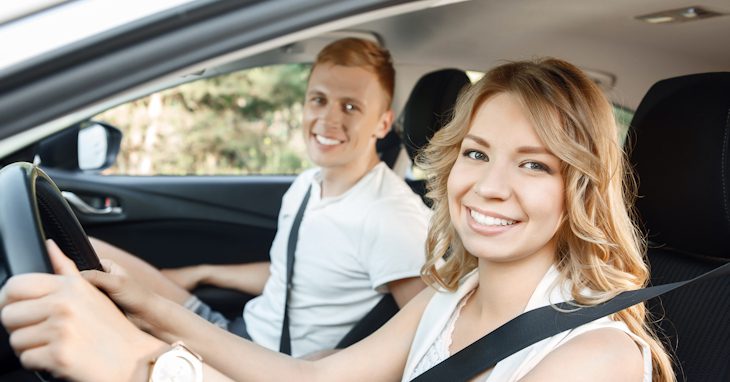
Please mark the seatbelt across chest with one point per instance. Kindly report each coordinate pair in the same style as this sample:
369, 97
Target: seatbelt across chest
285, 340
536, 325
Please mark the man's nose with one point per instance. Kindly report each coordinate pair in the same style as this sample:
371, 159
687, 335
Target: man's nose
332, 113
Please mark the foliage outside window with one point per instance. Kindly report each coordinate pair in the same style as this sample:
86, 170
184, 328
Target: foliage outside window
247, 122
623, 119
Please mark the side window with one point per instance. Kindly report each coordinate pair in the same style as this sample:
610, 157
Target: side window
623, 119
246, 122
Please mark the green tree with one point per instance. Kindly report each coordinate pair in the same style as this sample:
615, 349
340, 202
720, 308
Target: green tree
246, 122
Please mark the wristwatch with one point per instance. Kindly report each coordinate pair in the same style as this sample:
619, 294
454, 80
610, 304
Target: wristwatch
179, 364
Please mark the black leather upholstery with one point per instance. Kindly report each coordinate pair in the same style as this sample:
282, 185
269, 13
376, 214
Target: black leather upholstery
681, 154
429, 106
388, 148
428, 109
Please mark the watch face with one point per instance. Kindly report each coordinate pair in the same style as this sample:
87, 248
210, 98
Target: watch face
175, 368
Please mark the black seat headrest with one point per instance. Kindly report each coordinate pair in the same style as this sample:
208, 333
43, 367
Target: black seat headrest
681, 155
429, 106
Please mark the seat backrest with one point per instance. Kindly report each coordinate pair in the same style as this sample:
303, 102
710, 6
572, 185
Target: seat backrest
429, 108
681, 154
388, 148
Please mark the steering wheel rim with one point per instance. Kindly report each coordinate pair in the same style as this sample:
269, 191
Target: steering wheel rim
32, 210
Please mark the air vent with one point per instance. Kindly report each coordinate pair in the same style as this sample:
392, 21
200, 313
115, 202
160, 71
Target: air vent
694, 13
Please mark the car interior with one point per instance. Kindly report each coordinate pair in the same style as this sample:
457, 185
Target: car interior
660, 62
689, 172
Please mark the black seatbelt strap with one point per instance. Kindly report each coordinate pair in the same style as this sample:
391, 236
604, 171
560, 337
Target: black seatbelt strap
285, 342
536, 325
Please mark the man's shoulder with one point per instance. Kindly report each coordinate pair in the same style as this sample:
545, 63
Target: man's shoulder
390, 187
302, 181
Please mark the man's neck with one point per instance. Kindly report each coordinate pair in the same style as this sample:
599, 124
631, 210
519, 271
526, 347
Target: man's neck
337, 180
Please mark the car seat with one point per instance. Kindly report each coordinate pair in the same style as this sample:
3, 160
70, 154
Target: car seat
429, 108
681, 155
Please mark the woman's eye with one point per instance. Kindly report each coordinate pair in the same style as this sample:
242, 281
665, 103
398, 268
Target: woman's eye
318, 100
536, 166
348, 107
476, 155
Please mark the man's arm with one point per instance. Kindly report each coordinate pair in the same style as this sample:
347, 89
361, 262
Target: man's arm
404, 290
248, 278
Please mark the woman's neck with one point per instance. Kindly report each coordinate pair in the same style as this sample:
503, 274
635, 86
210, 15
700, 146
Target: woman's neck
506, 287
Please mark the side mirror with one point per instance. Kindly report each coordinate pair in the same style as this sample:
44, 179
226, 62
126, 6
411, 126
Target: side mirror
88, 146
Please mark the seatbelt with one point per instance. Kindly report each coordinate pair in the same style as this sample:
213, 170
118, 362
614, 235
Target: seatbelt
285, 341
377, 317
536, 325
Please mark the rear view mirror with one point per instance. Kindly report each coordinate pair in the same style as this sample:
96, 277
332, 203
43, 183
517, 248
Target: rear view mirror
88, 146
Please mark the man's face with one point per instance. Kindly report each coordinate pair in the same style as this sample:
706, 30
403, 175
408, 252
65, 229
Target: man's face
344, 113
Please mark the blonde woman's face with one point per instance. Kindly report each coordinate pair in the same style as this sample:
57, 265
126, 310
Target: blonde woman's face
505, 190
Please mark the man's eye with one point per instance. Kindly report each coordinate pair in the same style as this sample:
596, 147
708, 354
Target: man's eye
349, 107
318, 100
476, 155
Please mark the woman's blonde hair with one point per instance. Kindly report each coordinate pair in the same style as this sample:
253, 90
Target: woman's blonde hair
599, 247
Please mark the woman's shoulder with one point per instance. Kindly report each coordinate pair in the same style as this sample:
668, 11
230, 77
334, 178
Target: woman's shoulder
605, 353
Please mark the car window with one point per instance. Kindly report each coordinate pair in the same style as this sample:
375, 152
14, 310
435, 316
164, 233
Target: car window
623, 119
245, 122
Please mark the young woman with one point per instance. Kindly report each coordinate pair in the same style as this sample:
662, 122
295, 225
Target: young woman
530, 209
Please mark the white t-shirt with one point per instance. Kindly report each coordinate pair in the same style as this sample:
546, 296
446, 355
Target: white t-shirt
349, 248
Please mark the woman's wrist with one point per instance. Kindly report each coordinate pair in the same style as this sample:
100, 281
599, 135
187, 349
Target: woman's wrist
155, 318
146, 350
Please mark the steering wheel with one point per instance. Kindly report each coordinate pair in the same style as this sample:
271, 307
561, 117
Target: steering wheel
31, 211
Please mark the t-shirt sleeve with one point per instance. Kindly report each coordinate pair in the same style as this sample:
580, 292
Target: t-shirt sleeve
394, 241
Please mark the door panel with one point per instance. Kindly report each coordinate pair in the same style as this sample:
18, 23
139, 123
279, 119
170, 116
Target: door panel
185, 220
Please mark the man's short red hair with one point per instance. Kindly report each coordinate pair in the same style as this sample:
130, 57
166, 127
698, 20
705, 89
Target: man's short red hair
363, 54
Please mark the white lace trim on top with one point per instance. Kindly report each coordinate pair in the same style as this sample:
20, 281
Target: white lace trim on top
439, 349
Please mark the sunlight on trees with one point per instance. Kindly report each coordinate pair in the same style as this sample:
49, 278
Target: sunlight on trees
246, 122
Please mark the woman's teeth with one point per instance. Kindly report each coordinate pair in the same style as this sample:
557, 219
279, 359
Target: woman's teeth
488, 220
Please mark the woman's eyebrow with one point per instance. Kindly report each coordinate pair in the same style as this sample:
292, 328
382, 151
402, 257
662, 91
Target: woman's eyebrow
520, 150
533, 150
477, 140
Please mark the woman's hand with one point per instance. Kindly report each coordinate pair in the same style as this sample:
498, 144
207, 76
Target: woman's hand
62, 324
125, 291
186, 277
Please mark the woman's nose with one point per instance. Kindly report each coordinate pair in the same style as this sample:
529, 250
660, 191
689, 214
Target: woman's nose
494, 182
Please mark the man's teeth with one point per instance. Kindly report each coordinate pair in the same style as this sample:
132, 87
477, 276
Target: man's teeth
326, 141
488, 220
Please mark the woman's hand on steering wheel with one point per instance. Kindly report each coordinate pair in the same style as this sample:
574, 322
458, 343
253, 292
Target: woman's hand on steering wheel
62, 324
125, 291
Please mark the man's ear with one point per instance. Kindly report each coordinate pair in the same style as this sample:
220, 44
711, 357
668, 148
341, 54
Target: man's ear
384, 125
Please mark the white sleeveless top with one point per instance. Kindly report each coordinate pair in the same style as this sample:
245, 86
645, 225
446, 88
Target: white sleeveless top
433, 336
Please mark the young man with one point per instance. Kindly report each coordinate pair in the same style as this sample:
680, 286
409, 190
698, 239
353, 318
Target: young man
363, 231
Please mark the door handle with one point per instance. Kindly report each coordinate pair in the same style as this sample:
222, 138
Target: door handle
85, 208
